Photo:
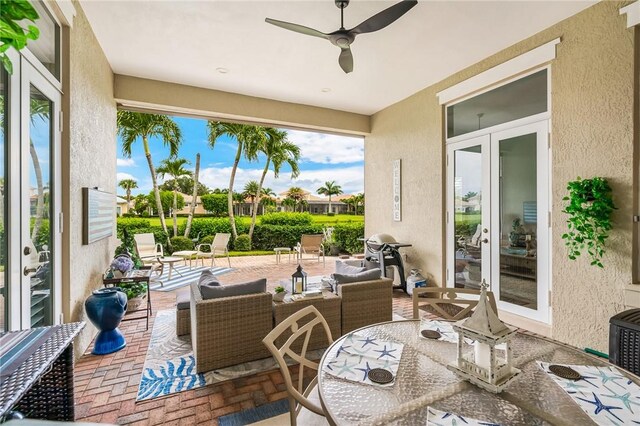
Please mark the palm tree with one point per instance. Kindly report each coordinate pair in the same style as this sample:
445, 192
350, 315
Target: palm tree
278, 151
248, 139
41, 109
359, 201
251, 191
289, 202
128, 185
175, 169
329, 189
136, 125
296, 194
194, 196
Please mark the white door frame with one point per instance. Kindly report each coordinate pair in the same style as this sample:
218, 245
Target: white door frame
30, 76
543, 278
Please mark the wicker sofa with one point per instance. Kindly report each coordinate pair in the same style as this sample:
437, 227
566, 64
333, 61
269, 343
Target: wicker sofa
365, 303
229, 330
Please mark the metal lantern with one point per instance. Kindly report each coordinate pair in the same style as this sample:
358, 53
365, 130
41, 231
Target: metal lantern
298, 281
487, 366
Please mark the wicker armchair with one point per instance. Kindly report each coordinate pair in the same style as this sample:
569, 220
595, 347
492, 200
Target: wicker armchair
229, 331
365, 303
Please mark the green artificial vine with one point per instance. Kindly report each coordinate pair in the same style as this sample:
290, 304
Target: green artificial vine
12, 34
589, 209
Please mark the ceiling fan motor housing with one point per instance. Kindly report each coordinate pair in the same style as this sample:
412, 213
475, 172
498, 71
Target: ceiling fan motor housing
342, 3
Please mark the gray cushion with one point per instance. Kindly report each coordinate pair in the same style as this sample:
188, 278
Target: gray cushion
183, 299
346, 269
206, 282
251, 287
368, 275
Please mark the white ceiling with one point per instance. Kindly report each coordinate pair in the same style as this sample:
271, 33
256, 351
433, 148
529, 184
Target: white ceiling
186, 41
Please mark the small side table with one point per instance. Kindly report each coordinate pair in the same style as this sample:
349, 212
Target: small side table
170, 260
186, 255
142, 275
279, 251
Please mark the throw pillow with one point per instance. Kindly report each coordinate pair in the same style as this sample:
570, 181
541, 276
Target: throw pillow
251, 287
368, 275
207, 281
346, 269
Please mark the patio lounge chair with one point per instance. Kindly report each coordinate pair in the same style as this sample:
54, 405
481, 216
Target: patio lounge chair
304, 404
147, 248
310, 244
220, 245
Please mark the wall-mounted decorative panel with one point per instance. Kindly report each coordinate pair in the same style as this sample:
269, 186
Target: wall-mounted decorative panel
98, 220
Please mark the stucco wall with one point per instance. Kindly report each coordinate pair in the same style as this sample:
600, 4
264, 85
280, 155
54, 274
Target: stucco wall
592, 134
89, 160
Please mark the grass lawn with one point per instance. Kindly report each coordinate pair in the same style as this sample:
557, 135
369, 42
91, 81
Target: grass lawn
474, 218
249, 253
317, 218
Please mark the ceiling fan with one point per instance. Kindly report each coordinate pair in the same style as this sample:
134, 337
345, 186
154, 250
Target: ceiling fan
343, 37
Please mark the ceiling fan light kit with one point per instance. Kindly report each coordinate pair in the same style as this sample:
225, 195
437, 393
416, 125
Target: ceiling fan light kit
343, 38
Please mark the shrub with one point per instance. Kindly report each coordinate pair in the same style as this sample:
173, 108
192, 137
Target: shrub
286, 218
267, 237
243, 243
330, 214
216, 204
346, 236
206, 240
181, 243
212, 226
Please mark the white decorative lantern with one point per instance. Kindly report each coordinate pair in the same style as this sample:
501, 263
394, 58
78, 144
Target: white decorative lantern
484, 367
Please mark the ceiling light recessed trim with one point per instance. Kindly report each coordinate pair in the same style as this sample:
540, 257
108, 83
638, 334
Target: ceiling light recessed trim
222, 70
325, 89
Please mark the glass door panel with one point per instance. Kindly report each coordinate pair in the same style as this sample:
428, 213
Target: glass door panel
520, 220
4, 179
40, 209
467, 213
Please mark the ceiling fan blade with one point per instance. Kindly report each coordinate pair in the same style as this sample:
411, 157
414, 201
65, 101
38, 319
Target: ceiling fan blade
346, 60
297, 28
384, 18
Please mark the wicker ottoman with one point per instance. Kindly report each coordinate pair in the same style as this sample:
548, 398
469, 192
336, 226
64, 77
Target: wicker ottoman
328, 306
183, 316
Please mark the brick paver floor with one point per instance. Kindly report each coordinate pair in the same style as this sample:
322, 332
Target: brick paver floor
106, 385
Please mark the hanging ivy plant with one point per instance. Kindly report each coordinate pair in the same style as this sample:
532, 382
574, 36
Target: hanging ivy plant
12, 34
589, 209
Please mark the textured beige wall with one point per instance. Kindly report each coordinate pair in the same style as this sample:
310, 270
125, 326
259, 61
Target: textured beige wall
89, 160
592, 134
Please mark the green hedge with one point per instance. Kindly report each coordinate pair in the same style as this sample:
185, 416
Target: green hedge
243, 243
181, 243
346, 237
267, 237
285, 218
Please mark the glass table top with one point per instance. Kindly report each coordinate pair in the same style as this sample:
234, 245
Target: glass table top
423, 380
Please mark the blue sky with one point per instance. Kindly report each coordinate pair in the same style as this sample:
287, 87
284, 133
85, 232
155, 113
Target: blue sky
324, 158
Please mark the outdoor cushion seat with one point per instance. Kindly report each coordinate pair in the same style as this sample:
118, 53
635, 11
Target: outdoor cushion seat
209, 291
366, 275
183, 299
183, 316
344, 268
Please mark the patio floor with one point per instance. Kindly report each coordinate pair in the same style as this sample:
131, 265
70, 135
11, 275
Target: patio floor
106, 386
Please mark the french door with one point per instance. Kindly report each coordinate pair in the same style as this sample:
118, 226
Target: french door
32, 287
497, 217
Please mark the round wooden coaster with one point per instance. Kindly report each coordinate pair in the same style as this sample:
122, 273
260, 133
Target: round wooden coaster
431, 334
380, 375
565, 372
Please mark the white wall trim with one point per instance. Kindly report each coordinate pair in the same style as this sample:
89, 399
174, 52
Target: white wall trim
64, 10
633, 14
517, 65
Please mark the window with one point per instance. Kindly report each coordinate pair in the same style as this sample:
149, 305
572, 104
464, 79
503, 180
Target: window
47, 47
521, 98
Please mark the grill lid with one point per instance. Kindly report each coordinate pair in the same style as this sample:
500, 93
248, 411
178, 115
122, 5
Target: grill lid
627, 319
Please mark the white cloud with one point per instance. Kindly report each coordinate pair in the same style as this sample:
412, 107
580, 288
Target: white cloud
351, 179
125, 162
328, 149
120, 176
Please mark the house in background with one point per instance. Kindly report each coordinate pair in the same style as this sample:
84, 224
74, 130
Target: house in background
122, 207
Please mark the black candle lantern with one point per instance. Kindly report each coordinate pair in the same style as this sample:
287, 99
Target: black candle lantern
298, 281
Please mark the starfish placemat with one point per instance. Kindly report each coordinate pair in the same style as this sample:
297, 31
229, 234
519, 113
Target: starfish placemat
359, 354
607, 396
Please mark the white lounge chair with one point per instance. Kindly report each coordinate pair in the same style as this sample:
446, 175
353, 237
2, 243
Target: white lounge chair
147, 248
219, 246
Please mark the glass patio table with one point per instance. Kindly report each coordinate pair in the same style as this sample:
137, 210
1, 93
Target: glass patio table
423, 381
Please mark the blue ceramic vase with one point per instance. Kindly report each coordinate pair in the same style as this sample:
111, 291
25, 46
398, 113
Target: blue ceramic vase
105, 308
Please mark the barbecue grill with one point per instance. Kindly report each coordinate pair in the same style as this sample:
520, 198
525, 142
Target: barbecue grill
383, 251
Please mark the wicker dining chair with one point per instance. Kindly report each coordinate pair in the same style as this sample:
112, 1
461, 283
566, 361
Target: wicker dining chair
451, 304
302, 403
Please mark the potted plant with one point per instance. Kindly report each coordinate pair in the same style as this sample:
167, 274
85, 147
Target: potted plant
120, 265
136, 294
279, 295
589, 209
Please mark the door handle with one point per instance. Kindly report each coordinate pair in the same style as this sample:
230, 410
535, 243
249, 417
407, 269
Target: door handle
26, 271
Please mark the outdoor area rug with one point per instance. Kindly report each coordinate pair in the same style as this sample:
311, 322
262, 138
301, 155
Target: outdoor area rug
188, 276
263, 412
170, 366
